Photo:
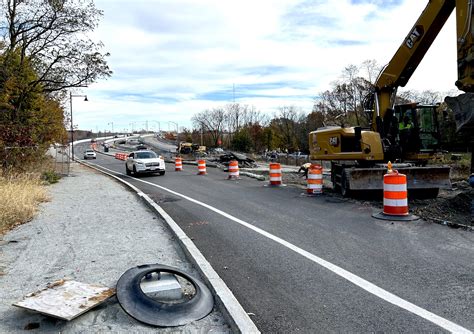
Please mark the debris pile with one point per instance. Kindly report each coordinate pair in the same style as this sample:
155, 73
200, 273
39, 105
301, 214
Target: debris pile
449, 208
242, 159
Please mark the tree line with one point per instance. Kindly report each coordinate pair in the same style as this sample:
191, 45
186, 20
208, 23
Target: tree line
44, 52
346, 103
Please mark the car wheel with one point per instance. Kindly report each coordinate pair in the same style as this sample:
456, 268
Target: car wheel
134, 170
162, 173
127, 171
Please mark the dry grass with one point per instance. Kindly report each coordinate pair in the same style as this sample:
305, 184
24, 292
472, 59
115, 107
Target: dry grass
19, 199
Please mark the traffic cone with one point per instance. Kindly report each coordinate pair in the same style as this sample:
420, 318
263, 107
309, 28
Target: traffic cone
233, 170
315, 180
202, 167
178, 164
275, 174
395, 197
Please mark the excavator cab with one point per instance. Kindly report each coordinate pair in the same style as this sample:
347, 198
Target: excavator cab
418, 131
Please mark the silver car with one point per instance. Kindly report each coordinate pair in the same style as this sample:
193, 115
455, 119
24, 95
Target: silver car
89, 154
139, 162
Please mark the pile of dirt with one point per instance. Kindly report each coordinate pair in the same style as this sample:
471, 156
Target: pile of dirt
451, 207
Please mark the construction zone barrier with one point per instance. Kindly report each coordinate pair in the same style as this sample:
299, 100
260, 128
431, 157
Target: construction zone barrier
178, 164
395, 197
202, 167
275, 174
315, 180
233, 169
121, 156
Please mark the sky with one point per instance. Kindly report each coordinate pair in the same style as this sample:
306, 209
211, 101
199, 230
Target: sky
174, 58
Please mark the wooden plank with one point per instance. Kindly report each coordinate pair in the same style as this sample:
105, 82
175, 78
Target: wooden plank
66, 299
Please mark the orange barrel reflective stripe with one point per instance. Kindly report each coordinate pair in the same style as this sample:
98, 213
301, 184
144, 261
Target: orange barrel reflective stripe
315, 180
275, 174
233, 169
201, 167
395, 199
178, 164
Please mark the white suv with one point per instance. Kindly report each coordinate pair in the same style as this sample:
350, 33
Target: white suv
144, 162
89, 154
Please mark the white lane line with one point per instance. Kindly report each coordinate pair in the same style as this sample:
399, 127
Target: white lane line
360, 282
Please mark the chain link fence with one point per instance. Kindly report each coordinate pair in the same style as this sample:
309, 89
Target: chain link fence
21, 158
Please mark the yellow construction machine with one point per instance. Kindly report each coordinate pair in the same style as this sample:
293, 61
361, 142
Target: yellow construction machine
190, 148
406, 134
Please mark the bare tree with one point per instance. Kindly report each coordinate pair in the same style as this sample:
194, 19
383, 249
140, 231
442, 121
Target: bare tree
372, 69
212, 121
285, 126
52, 35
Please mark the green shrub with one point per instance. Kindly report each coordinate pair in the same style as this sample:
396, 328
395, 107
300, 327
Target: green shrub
50, 177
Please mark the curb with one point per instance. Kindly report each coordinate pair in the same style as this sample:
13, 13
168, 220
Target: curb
233, 312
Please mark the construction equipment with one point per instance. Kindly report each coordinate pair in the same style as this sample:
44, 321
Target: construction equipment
190, 148
407, 134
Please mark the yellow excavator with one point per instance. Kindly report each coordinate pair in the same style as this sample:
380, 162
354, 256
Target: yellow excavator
405, 134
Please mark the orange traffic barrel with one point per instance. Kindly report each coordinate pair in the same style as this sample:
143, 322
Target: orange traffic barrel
201, 167
395, 197
178, 164
233, 169
117, 155
275, 174
315, 180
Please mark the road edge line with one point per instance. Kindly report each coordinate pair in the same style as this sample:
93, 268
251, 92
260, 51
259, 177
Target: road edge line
233, 312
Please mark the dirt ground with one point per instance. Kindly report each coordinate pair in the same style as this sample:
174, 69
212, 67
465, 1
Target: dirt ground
451, 207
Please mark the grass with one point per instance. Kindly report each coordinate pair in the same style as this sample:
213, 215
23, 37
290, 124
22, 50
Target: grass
21, 193
19, 199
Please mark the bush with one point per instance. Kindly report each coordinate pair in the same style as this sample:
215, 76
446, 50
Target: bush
50, 177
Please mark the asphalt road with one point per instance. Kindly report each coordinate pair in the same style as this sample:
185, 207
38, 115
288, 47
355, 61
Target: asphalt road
319, 264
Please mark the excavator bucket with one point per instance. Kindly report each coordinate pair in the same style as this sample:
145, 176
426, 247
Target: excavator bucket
463, 109
421, 179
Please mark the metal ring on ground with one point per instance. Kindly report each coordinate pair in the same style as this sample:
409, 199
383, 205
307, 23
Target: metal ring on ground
147, 310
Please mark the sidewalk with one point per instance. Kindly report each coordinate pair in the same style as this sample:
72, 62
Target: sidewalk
92, 231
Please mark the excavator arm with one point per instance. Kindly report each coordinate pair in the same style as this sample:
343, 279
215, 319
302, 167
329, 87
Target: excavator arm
409, 55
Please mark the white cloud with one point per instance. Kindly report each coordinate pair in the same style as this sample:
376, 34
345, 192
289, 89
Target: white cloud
170, 58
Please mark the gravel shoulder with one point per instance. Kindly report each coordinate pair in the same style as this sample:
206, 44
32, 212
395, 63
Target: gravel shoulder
92, 231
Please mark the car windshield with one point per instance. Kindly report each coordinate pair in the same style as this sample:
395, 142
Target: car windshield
89, 151
145, 155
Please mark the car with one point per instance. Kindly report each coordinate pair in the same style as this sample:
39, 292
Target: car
141, 147
90, 154
143, 162
298, 155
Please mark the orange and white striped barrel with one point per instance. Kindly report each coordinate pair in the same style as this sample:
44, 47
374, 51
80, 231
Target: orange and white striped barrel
395, 195
233, 169
201, 167
275, 174
178, 164
315, 180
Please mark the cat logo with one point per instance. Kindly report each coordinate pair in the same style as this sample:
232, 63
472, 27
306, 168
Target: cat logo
414, 36
334, 141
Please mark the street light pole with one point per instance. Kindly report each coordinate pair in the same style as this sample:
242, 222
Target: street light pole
72, 124
112, 127
177, 130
